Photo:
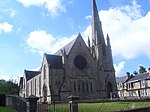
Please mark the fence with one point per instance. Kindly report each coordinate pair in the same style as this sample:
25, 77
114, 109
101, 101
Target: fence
31, 105
60, 106
56, 106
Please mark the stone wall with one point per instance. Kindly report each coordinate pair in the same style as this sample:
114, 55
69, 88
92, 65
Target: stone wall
16, 102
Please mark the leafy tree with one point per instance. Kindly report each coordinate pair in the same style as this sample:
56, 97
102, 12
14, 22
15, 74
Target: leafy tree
8, 87
142, 69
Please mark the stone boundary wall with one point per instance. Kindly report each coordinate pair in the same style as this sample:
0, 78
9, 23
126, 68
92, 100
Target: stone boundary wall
16, 102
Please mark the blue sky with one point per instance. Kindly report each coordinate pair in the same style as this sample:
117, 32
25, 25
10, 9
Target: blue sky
29, 28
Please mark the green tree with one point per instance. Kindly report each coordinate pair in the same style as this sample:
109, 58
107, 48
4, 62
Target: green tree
142, 69
8, 87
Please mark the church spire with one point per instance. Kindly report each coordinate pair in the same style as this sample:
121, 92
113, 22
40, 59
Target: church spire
97, 33
98, 41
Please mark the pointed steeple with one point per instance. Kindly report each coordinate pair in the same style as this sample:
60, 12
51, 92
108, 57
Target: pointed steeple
97, 33
98, 41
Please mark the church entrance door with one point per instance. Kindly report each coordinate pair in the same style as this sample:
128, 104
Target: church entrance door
109, 90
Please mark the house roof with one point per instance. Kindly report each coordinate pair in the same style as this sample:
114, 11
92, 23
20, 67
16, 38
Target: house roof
133, 78
140, 77
121, 79
54, 61
67, 47
31, 74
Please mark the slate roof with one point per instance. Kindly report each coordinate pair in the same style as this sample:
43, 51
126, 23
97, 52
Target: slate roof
121, 79
133, 78
67, 47
140, 77
31, 74
54, 61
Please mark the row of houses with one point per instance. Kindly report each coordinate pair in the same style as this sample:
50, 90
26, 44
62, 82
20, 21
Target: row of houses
134, 86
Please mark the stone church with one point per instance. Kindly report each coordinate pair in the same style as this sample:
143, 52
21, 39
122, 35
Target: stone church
76, 69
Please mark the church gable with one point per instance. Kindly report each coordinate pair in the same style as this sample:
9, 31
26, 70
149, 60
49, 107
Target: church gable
78, 42
79, 47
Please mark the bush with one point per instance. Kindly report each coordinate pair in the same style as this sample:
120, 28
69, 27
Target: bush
2, 100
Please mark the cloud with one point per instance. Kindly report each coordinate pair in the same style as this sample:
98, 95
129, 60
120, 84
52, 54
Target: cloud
40, 41
11, 12
133, 11
53, 6
119, 68
6, 27
129, 32
70, 2
88, 17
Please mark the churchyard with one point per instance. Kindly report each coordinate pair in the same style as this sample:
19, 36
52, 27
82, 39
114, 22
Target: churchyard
102, 106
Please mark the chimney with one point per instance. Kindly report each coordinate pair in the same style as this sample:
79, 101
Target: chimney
127, 75
149, 71
135, 73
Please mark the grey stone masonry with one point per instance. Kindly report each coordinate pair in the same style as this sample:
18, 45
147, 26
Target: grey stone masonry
32, 103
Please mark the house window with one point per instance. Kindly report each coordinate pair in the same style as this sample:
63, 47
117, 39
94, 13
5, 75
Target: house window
144, 84
145, 92
131, 85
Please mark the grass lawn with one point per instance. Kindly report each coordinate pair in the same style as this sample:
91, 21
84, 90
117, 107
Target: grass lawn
111, 106
101, 107
6, 109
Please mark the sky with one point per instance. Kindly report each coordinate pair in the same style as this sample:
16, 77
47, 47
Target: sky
30, 28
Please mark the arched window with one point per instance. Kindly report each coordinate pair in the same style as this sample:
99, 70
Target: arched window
87, 87
75, 87
39, 85
35, 87
79, 89
91, 87
83, 87
44, 72
31, 87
